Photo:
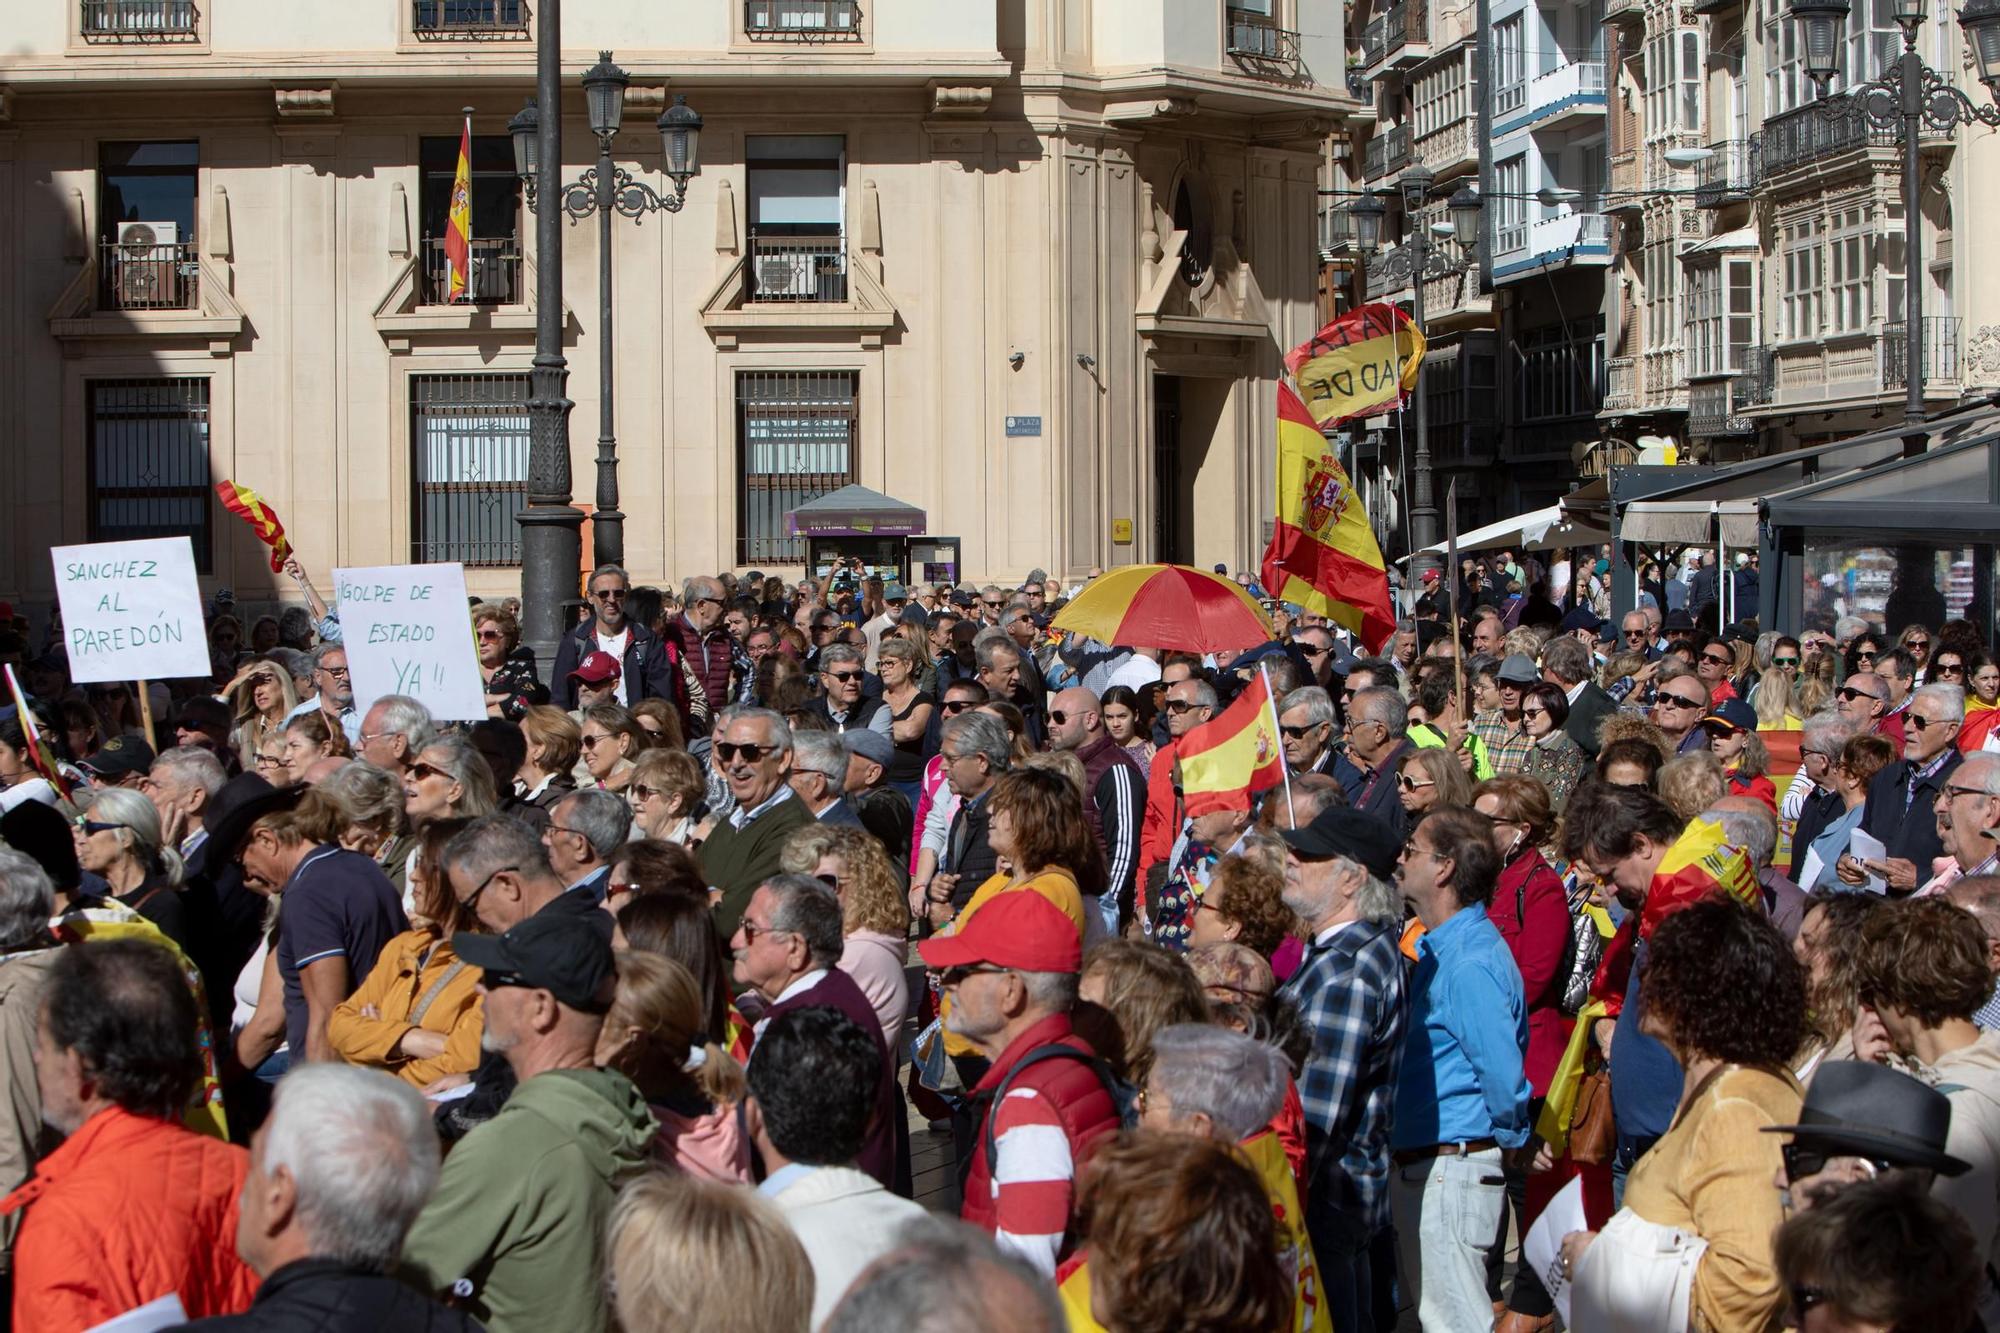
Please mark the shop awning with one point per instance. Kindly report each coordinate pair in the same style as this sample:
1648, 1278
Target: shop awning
1743, 238
1690, 522
1538, 530
855, 511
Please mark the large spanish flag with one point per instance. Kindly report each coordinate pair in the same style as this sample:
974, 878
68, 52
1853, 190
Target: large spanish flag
1323, 555
1228, 759
1362, 363
249, 506
458, 224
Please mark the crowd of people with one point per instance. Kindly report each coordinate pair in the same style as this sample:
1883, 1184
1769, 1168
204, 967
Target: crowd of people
632, 1004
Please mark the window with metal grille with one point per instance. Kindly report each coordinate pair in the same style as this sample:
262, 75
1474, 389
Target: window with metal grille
469, 447
496, 218
148, 469
795, 441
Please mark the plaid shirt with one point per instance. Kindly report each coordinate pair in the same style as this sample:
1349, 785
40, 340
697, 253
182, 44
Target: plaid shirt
1351, 994
1507, 747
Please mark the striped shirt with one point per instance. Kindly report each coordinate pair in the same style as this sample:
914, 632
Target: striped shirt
1034, 1178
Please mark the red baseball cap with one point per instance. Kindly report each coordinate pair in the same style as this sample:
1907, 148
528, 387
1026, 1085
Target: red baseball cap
596, 668
1019, 929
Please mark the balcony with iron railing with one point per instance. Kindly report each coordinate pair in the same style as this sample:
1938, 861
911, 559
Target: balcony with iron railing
1399, 33
148, 276
469, 20
1941, 347
495, 279
1252, 39
1728, 175
802, 20
1621, 393
1716, 406
140, 21
1388, 152
797, 270
1808, 138
1572, 88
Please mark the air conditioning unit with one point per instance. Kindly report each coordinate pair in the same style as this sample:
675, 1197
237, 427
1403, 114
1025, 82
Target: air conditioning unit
148, 268
781, 273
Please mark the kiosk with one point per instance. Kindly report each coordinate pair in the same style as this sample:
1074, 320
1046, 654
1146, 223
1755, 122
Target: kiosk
884, 535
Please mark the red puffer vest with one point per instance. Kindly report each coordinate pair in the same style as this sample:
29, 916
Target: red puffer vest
1082, 1101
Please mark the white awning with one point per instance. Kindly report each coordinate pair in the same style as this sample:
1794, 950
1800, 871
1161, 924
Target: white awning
1743, 238
1690, 522
1538, 530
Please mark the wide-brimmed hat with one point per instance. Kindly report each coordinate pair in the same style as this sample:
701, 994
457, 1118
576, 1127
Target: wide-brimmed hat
1870, 1110
239, 803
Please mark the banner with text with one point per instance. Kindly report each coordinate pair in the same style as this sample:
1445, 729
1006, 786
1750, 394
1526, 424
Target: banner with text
131, 610
407, 630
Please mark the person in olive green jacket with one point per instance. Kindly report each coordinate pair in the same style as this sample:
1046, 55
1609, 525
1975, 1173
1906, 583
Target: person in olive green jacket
514, 1233
754, 754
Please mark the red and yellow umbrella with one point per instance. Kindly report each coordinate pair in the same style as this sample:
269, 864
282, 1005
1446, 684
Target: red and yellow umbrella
1166, 606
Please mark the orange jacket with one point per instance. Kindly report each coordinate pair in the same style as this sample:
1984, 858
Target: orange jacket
128, 1209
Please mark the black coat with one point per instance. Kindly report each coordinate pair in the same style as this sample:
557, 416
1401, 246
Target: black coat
322, 1296
1587, 714
650, 671
1908, 832
1821, 808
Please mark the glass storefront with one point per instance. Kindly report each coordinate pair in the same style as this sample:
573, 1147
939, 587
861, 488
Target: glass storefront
1893, 580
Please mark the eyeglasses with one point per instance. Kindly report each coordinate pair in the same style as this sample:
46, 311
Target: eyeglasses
952, 706
1952, 793
1408, 783
1666, 700
1784, 661
337, 673
1828, 755
561, 828
471, 901
1317, 652
609, 594
421, 770
751, 753
270, 761
714, 601
1300, 733
1182, 705
1850, 694
843, 677
751, 930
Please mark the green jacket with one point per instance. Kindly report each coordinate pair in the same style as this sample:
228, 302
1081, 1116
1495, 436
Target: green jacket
1427, 737
737, 861
521, 1206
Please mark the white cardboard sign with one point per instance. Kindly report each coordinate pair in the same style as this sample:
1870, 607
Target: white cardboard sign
408, 630
131, 610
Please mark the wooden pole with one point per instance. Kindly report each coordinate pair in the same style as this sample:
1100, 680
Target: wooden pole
1451, 572
146, 714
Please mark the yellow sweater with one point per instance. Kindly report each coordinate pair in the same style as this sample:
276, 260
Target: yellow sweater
1711, 1174
1056, 884
394, 989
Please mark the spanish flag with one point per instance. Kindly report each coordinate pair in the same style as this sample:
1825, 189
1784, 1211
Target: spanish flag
1228, 759
458, 226
1362, 363
40, 757
1323, 555
249, 506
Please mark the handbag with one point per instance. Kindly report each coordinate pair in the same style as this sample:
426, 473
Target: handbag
935, 1067
1636, 1277
1593, 1133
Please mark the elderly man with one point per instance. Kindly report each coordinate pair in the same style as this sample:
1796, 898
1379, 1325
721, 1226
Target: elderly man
1680, 702
585, 831
1813, 804
394, 732
648, 667
499, 870
1635, 635
977, 753
1502, 730
700, 641
1305, 722
787, 948
742, 852
1112, 785
1748, 823
181, 784
1378, 725
1567, 664
1350, 995
333, 693
133, 1206
514, 1232
1902, 798
819, 776
225, 920
1968, 812
1001, 666
843, 704
1487, 632
340, 1145
1044, 1101
1463, 1093
1863, 699
1190, 702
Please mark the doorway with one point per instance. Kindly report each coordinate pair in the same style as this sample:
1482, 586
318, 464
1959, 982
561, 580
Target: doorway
1195, 451
1172, 534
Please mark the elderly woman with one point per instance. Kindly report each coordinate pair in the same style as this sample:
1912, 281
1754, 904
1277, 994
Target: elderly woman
875, 918
654, 1036
260, 699
1692, 1244
512, 687
1557, 761
649, 866
448, 780
1244, 902
681, 1252
417, 1014
1430, 778
554, 742
370, 801
120, 851
1133, 990
611, 742
1861, 758
666, 790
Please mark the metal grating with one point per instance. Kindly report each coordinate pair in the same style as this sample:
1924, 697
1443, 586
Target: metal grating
795, 442
469, 447
148, 461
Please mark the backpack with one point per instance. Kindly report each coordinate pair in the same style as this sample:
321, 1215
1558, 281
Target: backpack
1124, 1097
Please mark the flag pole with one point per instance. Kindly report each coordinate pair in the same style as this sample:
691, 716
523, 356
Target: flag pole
1284, 765
146, 714
1451, 572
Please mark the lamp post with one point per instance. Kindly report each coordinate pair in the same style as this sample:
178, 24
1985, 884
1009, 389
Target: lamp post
1418, 261
605, 189
1908, 98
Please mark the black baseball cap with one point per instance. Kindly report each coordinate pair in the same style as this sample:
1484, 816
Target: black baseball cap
559, 952
119, 757
1341, 830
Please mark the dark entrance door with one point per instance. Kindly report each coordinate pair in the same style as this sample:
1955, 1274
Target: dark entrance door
1173, 530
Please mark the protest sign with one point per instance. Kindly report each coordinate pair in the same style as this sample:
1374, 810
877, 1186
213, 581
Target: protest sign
407, 630
131, 610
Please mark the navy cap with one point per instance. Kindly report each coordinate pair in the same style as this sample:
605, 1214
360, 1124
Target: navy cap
1733, 713
1580, 617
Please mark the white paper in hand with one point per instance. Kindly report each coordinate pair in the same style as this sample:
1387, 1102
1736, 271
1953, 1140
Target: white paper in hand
1865, 846
1542, 1250
165, 1312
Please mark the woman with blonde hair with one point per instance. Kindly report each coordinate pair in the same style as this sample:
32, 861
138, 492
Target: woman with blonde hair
1777, 710
686, 1253
875, 916
1817, 682
1432, 777
123, 857
554, 742
260, 699
653, 1035
417, 1015
667, 788
1140, 988
1692, 782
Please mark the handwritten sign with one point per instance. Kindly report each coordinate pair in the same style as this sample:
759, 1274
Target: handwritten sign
131, 610
407, 630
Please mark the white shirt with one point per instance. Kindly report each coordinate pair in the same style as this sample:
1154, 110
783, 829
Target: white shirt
1135, 673
803, 984
615, 645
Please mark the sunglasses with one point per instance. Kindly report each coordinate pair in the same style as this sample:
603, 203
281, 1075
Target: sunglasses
751, 753
1917, 643
1922, 723
491, 636
1803, 1160
1866, 655
1059, 717
1714, 660
1850, 694
952, 976
91, 826
609, 594
843, 677
1784, 661
1408, 783
421, 770
1182, 705
1679, 701
952, 706
641, 792
1299, 733
1948, 669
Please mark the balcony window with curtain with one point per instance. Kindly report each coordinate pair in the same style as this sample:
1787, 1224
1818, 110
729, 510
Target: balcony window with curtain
798, 206
496, 219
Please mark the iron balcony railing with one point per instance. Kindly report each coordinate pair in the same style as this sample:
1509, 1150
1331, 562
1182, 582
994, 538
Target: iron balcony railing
1729, 174
140, 20
1757, 383
496, 272
1253, 37
1387, 152
1715, 407
149, 276
797, 269
802, 20
1940, 351
1392, 29
1807, 134
469, 19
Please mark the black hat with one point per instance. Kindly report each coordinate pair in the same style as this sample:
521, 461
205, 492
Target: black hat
1677, 620
1580, 617
1341, 830
40, 833
236, 805
1853, 1104
119, 757
559, 952
203, 713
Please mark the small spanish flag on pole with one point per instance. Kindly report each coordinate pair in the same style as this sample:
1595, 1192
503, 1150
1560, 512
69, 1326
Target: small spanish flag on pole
249, 506
1228, 759
458, 226
40, 757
